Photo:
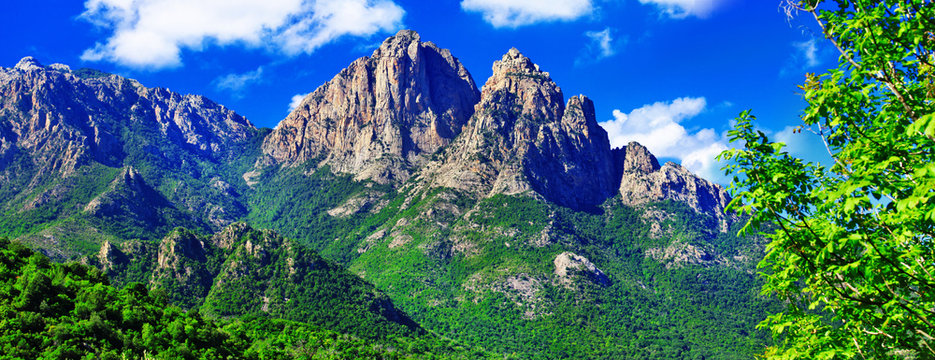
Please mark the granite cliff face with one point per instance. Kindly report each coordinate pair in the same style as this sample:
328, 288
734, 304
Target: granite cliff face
524, 137
382, 116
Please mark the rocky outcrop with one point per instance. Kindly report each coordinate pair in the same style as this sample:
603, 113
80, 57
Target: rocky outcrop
644, 181
182, 268
636, 159
177, 246
264, 272
524, 138
230, 235
569, 265
127, 195
111, 258
679, 254
382, 116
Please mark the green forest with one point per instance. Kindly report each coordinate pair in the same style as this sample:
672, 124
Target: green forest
52, 310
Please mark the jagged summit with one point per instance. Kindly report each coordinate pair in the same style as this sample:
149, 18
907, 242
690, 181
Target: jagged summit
515, 60
28, 63
638, 159
381, 116
515, 75
397, 45
524, 138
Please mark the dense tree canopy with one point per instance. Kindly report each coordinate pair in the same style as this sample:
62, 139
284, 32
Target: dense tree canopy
50, 310
852, 243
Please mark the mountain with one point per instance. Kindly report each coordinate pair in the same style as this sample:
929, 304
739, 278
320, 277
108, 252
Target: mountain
528, 231
84, 154
382, 116
499, 218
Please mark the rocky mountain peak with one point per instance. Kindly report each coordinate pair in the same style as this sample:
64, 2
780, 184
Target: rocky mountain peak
523, 138
380, 117
60, 129
28, 63
518, 81
638, 159
516, 61
399, 45
110, 257
644, 181
579, 118
66, 121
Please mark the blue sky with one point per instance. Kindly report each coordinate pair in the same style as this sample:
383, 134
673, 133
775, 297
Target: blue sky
668, 73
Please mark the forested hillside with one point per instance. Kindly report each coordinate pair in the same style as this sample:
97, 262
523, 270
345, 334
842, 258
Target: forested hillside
69, 311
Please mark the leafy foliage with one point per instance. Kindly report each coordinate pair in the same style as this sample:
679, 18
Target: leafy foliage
68, 311
852, 245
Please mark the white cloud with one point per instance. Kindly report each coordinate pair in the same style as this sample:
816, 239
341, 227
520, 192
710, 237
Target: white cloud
516, 13
601, 45
680, 9
153, 33
602, 41
658, 127
237, 82
331, 19
808, 50
296, 101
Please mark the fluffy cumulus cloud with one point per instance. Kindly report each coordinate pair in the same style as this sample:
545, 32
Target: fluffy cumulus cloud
516, 13
153, 33
680, 9
658, 126
296, 101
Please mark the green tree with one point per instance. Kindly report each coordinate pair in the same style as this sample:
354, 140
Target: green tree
851, 248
